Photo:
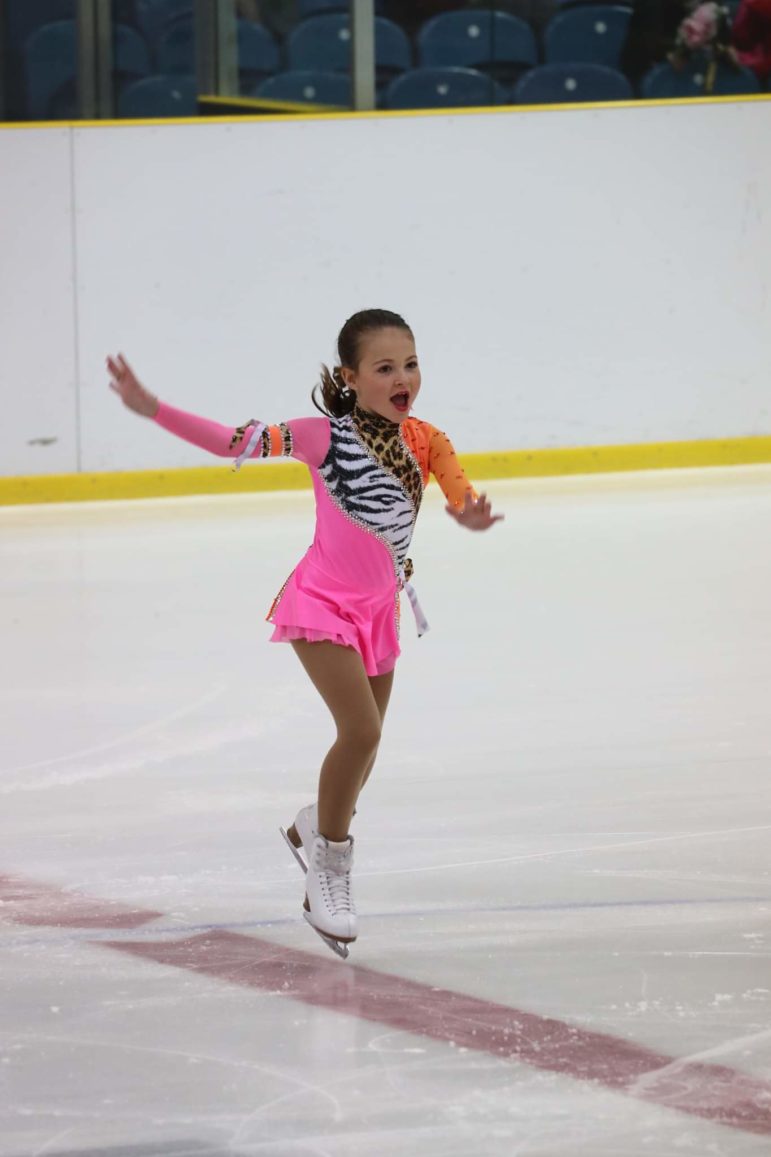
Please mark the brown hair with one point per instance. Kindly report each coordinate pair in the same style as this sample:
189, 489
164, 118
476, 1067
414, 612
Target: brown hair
336, 399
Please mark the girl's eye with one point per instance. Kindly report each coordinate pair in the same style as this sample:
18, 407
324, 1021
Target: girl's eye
384, 370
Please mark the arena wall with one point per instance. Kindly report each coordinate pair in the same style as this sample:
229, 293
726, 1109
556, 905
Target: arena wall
578, 278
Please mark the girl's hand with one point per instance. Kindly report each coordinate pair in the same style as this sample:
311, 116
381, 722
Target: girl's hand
129, 389
475, 515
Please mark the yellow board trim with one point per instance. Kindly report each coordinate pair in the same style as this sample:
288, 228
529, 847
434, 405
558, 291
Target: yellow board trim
262, 107
266, 476
351, 114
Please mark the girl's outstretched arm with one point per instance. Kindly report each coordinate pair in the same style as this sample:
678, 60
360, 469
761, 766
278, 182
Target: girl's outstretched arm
129, 389
468, 508
305, 439
475, 514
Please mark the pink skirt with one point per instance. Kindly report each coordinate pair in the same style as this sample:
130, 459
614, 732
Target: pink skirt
318, 607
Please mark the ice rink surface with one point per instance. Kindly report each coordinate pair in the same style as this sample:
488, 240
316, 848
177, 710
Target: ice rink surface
562, 863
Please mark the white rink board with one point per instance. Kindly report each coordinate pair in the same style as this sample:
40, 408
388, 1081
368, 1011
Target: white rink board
38, 379
573, 278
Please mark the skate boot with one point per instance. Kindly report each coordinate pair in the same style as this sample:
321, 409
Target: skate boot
329, 907
301, 834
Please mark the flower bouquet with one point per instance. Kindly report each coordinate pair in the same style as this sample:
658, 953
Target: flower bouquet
706, 34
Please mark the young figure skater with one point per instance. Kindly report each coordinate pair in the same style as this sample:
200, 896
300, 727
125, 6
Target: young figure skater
339, 609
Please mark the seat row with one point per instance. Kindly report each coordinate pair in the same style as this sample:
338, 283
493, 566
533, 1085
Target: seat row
446, 88
466, 57
500, 45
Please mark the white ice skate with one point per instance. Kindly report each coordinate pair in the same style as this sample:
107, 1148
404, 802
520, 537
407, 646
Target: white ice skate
329, 907
301, 834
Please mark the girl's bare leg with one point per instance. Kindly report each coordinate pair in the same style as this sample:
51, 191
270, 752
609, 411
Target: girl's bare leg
339, 676
381, 688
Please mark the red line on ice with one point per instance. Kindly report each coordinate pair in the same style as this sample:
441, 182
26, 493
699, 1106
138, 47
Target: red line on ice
715, 1092
44, 905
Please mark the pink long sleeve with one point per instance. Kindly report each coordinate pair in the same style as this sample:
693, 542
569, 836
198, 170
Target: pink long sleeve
305, 439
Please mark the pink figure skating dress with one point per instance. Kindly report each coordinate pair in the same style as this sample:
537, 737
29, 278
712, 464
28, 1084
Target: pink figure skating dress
368, 476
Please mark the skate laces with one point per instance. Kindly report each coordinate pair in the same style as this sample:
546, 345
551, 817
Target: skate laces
334, 870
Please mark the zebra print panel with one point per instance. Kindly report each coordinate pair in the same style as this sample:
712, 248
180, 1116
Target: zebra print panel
367, 493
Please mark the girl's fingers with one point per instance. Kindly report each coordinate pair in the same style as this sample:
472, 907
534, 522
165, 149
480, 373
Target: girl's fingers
119, 366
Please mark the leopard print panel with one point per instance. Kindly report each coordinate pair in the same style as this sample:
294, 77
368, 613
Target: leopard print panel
384, 441
240, 433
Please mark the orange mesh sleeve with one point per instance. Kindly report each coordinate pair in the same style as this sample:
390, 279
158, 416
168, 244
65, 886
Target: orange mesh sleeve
445, 467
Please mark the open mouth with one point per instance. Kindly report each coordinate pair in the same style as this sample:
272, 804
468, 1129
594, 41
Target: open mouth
401, 401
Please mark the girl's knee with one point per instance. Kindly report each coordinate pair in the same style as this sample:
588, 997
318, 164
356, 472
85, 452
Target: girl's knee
363, 735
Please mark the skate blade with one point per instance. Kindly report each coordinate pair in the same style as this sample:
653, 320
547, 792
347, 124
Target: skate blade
295, 851
337, 946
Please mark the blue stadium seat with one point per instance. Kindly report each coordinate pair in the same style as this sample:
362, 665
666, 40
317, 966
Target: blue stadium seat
735, 82
569, 83
21, 20
153, 16
306, 8
595, 35
306, 87
563, 4
258, 55
666, 83
131, 56
159, 96
22, 17
443, 88
51, 66
482, 38
175, 48
323, 43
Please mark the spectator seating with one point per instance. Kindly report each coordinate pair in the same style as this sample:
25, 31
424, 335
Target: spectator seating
324, 43
443, 88
154, 16
479, 38
159, 96
51, 66
327, 88
595, 34
23, 17
563, 4
569, 83
131, 56
471, 56
665, 82
306, 8
174, 48
258, 55
50, 63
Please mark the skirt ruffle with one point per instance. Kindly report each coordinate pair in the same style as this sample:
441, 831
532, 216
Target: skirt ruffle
320, 608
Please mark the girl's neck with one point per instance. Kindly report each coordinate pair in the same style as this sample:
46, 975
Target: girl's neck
362, 415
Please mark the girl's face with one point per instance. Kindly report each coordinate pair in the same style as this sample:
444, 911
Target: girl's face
387, 379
